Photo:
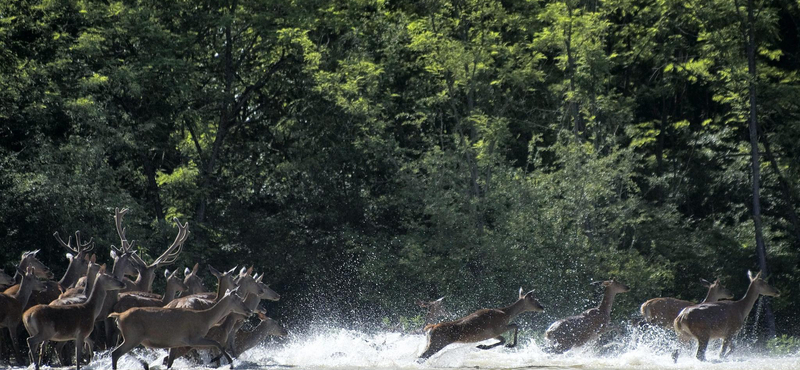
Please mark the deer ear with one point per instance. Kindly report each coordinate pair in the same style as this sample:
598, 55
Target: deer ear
113, 252
250, 270
750, 275
214, 271
243, 271
260, 278
520, 292
94, 258
166, 273
186, 271
70, 256
196, 267
705, 283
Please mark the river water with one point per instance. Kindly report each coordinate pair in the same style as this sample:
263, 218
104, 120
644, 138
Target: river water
345, 349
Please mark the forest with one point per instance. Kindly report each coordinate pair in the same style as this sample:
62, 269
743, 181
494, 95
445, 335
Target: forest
363, 154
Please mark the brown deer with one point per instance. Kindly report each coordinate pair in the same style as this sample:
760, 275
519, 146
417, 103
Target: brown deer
70, 322
246, 339
193, 281
723, 319
147, 272
6, 280
50, 289
435, 310
201, 301
130, 300
254, 291
663, 311
12, 305
575, 331
77, 261
479, 326
159, 327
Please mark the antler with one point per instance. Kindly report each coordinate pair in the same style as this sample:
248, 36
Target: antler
118, 215
171, 254
67, 245
83, 247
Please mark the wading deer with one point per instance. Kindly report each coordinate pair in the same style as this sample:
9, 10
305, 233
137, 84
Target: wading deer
479, 326
254, 291
77, 261
723, 319
69, 322
575, 331
76, 296
159, 327
130, 300
147, 272
193, 281
50, 289
201, 301
663, 311
249, 339
435, 310
12, 305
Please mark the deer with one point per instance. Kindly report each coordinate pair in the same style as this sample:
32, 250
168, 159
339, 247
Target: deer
435, 309
76, 296
479, 326
722, 319
6, 280
12, 306
663, 311
193, 281
144, 282
49, 291
160, 327
69, 322
575, 331
266, 327
130, 300
253, 291
77, 261
199, 301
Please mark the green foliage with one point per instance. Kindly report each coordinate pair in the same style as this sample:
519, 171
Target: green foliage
367, 153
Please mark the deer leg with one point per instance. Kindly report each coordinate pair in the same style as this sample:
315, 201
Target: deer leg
34, 342
122, 349
205, 342
12, 329
702, 343
516, 330
78, 350
727, 345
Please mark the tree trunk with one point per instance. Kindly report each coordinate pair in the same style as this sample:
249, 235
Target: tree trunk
786, 189
152, 187
760, 247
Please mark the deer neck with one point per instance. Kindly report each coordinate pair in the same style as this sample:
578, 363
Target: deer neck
514, 309
607, 302
96, 299
222, 288
144, 282
72, 274
214, 314
23, 293
169, 294
710, 297
252, 301
749, 300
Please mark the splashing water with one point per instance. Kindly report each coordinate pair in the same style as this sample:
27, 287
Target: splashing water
347, 349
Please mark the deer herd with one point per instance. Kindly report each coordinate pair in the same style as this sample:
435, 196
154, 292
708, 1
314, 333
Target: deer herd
187, 317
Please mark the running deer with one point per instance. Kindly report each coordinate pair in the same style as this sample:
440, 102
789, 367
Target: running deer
577, 330
722, 320
130, 300
147, 272
77, 261
249, 339
158, 327
663, 311
193, 281
201, 301
68, 322
479, 326
12, 305
253, 291
435, 310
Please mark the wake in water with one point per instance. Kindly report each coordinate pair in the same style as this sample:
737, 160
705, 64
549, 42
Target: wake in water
348, 349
